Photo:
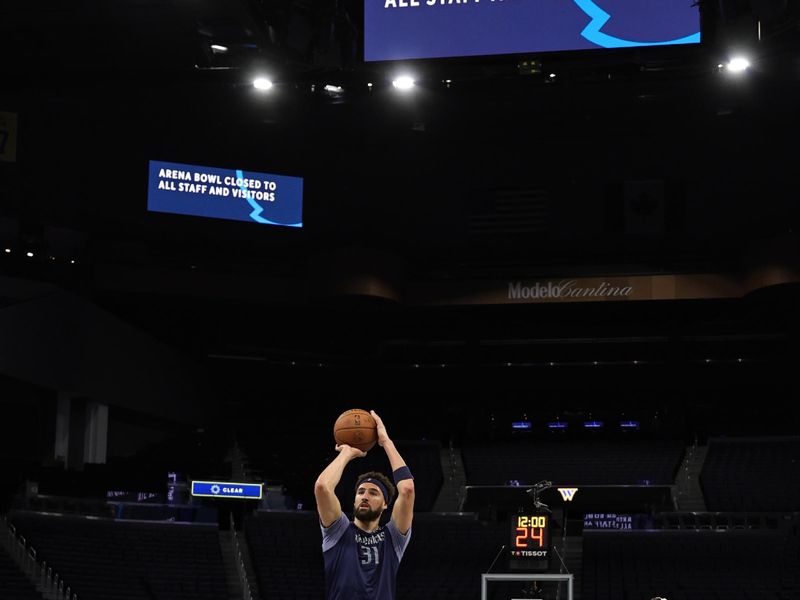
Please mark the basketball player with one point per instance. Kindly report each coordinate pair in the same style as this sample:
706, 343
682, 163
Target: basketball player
361, 557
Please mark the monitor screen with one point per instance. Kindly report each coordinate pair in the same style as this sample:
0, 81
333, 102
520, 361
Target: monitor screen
412, 29
232, 194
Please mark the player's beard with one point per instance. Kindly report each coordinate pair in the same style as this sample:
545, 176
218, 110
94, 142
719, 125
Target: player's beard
368, 514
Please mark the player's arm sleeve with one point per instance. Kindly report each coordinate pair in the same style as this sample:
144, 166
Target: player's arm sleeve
399, 540
331, 535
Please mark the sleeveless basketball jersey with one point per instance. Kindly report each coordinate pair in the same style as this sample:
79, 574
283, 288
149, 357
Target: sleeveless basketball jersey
361, 565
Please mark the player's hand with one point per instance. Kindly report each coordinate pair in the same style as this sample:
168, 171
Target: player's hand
383, 437
350, 450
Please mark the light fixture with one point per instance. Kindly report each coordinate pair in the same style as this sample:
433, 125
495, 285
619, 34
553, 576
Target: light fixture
262, 83
738, 64
333, 89
29, 254
403, 83
217, 48
8, 250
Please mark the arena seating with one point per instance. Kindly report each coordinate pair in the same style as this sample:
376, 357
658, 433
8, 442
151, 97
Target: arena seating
13, 584
691, 565
758, 475
297, 467
447, 557
578, 462
102, 559
286, 554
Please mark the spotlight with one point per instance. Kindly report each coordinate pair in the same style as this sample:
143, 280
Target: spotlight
738, 65
403, 83
262, 83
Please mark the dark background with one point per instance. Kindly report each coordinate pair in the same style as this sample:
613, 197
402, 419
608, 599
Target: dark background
190, 327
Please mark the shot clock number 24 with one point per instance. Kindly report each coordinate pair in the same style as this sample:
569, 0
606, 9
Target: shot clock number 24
530, 536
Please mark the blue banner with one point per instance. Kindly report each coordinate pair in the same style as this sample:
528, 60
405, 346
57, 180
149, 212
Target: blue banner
409, 29
225, 194
227, 489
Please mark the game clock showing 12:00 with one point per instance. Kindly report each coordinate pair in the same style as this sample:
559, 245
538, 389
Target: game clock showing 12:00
530, 537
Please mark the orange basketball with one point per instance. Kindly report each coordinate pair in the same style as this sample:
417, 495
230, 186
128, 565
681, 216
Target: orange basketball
356, 428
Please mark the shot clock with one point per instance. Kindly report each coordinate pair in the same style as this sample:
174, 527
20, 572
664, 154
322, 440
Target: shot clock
530, 542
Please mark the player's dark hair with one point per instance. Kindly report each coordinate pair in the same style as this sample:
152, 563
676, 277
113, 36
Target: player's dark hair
383, 479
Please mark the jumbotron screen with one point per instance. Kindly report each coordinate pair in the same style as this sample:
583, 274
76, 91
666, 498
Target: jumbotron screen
225, 194
412, 29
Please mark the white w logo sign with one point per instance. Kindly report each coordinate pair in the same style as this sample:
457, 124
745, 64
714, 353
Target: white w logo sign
568, 493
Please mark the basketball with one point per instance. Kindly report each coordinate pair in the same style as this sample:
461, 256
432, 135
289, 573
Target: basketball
356, 428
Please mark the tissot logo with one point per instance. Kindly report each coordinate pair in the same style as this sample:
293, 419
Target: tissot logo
568, 493
565, 289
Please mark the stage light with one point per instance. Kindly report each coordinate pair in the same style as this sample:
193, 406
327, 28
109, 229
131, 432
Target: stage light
403, 83
219, 49
738, 65
593, 424
29, 254
8, 250
333, 89
262, 83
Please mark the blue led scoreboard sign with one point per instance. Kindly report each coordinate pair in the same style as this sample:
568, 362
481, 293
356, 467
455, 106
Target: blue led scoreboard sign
420, 29
227, 489
231, 194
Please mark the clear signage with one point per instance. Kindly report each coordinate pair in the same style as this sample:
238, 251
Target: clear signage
409, 29
227, 489
233, 194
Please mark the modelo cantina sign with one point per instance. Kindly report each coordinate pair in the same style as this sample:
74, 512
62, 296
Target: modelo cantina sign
583, 289
566, 290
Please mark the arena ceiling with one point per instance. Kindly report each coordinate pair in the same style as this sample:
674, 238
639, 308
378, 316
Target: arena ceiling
504, 172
